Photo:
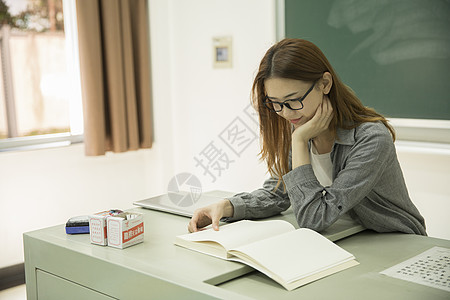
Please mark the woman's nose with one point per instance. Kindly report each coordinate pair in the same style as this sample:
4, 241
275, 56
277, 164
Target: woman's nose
287, 113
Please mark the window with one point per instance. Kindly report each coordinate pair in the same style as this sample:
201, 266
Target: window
40, 95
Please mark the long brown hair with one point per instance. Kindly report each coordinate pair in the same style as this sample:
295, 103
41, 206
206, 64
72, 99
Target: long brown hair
301, 60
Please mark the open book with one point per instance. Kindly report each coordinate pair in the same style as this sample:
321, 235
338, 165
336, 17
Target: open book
290, 257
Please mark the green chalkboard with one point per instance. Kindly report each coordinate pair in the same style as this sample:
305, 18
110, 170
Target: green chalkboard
394, 54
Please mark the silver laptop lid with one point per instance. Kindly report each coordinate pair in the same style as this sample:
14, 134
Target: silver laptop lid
180, 203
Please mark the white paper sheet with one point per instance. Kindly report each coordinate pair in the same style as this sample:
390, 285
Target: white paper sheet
430, 268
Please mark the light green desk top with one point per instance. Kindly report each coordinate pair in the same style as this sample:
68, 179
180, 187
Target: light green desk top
158, 269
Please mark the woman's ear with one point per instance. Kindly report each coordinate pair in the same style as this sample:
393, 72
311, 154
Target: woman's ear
327, 82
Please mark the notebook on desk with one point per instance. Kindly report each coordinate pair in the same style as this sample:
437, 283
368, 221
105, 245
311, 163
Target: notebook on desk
185, 203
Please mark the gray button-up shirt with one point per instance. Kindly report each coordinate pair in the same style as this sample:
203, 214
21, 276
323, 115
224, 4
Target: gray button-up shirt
368, 184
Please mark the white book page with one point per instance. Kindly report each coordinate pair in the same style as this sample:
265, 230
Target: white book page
240, 233
295, 254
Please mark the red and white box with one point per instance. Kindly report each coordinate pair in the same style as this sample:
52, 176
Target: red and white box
125, 229
97, 226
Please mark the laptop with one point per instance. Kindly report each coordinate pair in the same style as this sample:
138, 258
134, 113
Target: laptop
182, 203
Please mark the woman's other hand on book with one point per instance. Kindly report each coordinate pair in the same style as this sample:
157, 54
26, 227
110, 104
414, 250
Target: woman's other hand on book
210, 214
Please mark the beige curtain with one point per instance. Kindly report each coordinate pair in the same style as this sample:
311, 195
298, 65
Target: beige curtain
115, 75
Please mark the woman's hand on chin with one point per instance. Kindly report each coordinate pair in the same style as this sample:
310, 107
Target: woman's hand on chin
317, 125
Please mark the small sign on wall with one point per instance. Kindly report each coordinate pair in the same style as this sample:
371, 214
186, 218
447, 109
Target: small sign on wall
222, 52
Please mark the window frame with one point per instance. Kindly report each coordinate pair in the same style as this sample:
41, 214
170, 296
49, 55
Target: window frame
75, 104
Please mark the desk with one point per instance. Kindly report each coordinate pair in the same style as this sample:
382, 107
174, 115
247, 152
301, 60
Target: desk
60, 266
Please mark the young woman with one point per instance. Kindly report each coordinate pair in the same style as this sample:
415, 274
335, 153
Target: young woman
327, 154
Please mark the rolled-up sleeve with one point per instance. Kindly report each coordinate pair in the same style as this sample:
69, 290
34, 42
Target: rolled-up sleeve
261, 203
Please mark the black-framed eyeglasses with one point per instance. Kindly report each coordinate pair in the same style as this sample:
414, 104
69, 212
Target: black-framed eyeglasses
293, 104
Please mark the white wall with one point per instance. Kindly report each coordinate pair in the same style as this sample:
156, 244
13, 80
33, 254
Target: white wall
193, 103
46, 187
207, 100
426, 168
